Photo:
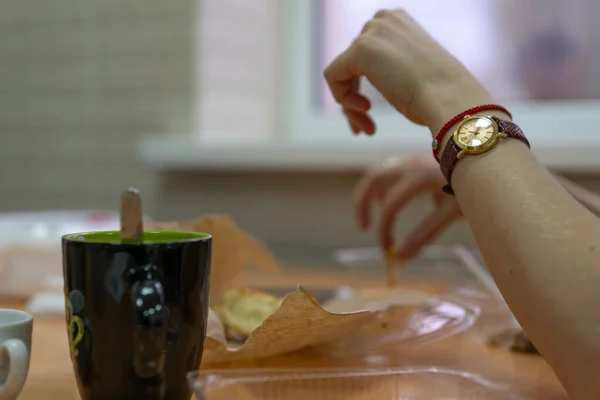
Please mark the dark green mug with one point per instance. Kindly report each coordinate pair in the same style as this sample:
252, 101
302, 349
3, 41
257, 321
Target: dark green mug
136, 312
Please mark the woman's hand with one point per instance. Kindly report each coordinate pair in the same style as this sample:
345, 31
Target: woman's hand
411, 70
394, 185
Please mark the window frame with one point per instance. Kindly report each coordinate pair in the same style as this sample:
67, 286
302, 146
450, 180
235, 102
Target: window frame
551, 126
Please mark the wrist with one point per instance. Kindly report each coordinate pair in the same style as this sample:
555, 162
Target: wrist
440, 102
450, 131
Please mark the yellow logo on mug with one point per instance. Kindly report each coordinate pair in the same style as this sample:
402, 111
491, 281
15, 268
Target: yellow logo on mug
75, 329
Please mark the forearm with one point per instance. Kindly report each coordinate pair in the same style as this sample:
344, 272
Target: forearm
542, 247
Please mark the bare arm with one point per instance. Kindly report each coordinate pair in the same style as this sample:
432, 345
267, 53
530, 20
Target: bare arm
540, 244
543, 249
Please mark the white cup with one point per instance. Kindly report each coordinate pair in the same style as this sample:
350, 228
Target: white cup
15, 345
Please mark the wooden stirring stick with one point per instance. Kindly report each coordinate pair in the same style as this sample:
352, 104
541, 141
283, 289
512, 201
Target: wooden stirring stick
391, 266
132, 225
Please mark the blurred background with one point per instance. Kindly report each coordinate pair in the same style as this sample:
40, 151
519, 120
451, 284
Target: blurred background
220, 106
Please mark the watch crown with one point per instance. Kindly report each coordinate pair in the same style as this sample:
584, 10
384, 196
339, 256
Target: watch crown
434, 144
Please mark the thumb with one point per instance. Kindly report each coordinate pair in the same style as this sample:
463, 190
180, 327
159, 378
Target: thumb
428, 230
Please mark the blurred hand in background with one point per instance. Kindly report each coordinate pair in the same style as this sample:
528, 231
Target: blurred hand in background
393, 184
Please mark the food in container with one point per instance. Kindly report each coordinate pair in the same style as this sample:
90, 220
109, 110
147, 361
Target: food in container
242, 310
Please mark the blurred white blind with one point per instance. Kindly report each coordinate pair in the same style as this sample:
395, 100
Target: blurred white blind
238, 63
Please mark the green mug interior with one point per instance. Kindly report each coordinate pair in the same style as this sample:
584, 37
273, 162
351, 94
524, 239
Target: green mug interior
150, 237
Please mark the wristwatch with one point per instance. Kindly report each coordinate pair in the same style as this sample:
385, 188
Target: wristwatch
476, 134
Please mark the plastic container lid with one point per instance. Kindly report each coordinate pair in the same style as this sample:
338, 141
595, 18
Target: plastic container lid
441, 262
436, 319
346, 384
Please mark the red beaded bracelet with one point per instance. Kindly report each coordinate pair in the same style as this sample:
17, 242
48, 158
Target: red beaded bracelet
456, 119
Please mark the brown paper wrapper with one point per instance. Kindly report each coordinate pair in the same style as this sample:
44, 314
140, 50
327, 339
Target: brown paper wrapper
233, 250
300, 322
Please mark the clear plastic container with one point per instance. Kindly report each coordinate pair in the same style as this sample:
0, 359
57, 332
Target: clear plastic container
442, 262
346, 384
436, 319
449, 266
452, 265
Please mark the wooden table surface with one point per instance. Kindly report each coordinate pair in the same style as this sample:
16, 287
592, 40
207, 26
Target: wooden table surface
51, 374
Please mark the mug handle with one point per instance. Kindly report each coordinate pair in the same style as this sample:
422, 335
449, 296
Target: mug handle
18, 366
150, 327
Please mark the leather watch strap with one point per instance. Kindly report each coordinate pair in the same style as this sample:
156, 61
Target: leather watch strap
449, 159
450, 155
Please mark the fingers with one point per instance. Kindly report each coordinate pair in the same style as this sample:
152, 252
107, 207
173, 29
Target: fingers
355, 107
365, 193
393, 202
357, 102
342, 74
343, 77
373, 21
429, 229
354, 127
371, 188
384, 13
360, 122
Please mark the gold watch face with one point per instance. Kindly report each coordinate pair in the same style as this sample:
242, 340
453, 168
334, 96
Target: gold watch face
476, 134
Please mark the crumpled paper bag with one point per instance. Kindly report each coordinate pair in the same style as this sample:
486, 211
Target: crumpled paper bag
233, 250
299, 323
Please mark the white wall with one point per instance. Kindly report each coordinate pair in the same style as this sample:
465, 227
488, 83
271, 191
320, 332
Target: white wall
238, 58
